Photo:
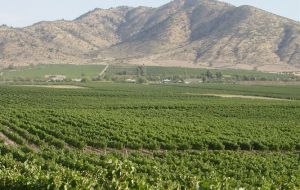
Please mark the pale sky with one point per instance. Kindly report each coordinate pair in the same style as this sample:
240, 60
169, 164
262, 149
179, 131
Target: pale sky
19, 13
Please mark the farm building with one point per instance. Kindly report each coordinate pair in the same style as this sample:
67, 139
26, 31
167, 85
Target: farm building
166, 80
130, 80
76, 80
55, 78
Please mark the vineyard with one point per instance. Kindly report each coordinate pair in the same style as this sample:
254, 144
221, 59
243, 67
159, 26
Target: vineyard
130, 136
175, 74
38, 72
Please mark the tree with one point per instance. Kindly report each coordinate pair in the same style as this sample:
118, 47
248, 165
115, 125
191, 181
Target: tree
141, 80
10, 67
219, 75
245, 78
141, 70
108, 77
209, 74
84, 80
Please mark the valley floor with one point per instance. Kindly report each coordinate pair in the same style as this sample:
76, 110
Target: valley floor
155, 136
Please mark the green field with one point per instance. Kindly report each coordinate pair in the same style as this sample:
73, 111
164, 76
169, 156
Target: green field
171, 72
118, 136
40, 71
120, 73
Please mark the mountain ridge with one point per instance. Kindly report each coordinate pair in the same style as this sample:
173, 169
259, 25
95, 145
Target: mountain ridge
186, 33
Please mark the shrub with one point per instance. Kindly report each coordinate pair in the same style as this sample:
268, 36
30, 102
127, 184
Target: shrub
57, 143
152, 146
141, 80
168, 146
101, 144
245, 146
199, 146
74, 142
26, 149
85, 80
286, 147
259, 146
134, 145
274, 147
115, 144
215, 145
183, 146
230, 145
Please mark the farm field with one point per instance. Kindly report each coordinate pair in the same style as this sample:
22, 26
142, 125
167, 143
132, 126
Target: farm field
39, 72
136, 136
190, 72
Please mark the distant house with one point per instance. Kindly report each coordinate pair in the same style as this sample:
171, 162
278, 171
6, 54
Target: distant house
130, 80
296, 73
76, 80
55, 78
192, 81
166, 80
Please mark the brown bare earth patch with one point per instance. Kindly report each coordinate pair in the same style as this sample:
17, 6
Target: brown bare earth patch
90, 149
7, 141
284, 83
34, 147
126, 151
183, 33
240, 96
55, 86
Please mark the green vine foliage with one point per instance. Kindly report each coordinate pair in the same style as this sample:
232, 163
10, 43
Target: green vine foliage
125, 136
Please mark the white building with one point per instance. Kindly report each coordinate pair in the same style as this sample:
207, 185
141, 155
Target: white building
130, 80
55, 78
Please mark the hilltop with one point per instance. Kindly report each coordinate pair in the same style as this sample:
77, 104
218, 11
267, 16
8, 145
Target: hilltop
186, 33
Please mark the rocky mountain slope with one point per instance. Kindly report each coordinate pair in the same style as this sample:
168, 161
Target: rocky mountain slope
191, 33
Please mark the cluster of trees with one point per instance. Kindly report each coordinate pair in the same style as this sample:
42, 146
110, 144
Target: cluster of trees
142, 74
208, 76
178, 74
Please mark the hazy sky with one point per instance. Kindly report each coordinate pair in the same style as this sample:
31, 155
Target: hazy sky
20, 13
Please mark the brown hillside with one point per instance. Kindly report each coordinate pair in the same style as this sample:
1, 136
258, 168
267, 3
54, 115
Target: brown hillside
193, 33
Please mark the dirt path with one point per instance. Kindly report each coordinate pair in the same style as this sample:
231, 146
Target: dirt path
103, 71
241, 96
7, 141
31, 145
90, 149
55, 86
126, 151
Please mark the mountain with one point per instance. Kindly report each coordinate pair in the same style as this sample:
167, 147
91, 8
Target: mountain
190, 33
